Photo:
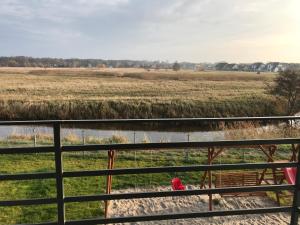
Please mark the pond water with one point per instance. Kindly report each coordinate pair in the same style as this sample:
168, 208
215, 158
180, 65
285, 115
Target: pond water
133, 136
137, 133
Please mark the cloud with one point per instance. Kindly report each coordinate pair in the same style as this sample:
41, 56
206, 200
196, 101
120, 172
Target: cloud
56, 10
196, 30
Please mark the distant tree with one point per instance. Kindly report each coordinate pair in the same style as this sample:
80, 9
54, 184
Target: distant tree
12, 63
287, 86
221, 66
176, 66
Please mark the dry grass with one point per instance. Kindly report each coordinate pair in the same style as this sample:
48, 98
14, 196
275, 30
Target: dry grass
31, 86
252, 130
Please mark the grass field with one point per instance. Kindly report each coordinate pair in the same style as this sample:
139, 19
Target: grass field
36, 93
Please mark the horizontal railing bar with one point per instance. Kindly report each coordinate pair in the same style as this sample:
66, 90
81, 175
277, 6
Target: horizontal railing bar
228, 119
146, 146
25, 150
41, 201
179, 216
28, 122
160, 194
27, 176
45, 223
168, 169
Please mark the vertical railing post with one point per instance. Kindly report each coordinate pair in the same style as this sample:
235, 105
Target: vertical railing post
59, 177
296, 199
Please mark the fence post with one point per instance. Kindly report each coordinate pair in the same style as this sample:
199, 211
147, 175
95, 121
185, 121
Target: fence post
186, 157
34, 137
110, 166
296, 199
83, 141
59, 171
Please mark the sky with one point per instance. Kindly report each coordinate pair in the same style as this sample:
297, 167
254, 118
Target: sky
168, 30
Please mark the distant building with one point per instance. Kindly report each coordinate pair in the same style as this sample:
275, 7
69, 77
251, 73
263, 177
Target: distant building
271, 66
235, 67
199, 67
281, 67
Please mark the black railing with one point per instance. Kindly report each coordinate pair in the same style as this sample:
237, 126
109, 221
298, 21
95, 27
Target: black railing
59, 174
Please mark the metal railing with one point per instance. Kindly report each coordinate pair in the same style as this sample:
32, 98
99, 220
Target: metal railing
59, 174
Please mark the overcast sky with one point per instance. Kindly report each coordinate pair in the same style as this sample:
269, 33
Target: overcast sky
183, 30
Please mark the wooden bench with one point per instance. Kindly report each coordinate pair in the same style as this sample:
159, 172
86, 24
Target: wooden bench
238, 179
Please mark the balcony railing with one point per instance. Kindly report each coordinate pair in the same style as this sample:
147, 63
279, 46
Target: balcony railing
59, 174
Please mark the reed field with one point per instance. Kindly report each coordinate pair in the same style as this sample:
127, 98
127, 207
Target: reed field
38, 93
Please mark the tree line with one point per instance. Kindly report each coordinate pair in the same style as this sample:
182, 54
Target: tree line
24, 61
